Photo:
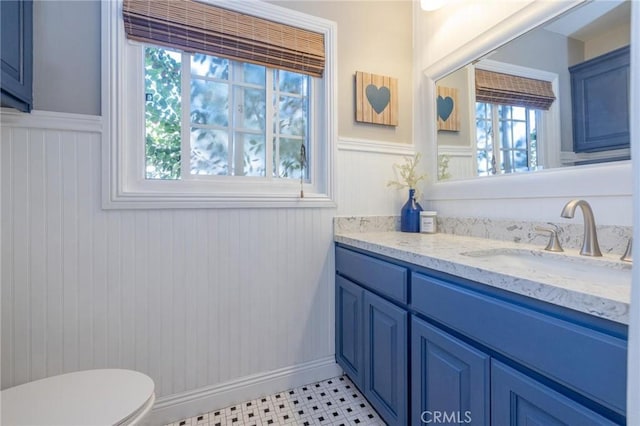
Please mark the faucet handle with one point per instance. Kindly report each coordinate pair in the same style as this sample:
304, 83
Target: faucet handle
554, 242
627, 256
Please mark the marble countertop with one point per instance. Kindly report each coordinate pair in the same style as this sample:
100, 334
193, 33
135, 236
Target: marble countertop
445, 253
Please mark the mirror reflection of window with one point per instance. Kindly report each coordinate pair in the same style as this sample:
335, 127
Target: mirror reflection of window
506, 138
485, 145
507, 108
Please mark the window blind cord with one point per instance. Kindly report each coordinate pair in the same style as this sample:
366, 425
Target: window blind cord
303, 163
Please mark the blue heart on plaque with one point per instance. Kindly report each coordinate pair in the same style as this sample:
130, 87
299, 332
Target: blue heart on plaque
378, 98
445, 107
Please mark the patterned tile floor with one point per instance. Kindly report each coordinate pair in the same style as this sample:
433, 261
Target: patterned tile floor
331, 402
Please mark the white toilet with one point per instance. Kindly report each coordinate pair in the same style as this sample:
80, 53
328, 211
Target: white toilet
83, 398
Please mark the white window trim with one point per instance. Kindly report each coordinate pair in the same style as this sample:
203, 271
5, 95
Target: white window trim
549, 128
123, 183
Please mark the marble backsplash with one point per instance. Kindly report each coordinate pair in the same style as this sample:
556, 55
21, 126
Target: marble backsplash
351, 224
612, 239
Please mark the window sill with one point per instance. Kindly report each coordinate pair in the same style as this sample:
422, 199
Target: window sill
189, 199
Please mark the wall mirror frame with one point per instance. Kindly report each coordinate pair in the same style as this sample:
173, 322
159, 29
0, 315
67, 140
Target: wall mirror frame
604, 180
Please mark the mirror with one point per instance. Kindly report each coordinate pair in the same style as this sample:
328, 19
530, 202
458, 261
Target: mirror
485, 138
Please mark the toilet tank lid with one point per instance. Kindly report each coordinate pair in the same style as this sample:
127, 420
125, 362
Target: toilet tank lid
90, 397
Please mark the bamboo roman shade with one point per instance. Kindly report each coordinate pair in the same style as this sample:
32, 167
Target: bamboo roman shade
507, 89
197, 27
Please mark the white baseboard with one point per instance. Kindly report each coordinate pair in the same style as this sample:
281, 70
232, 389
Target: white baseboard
191, 403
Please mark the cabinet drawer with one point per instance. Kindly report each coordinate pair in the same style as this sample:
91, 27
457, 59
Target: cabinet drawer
584, 360
383, 277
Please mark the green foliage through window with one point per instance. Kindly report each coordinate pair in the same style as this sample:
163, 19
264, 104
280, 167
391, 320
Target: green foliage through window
227, 125
162, 113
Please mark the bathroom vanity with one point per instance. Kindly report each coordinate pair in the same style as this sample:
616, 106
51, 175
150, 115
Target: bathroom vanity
436, 327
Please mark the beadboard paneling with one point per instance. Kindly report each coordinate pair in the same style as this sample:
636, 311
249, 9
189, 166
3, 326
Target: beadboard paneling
364, 169
191, 297
462, 161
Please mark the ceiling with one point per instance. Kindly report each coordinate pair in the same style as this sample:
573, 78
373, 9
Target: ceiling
592, 19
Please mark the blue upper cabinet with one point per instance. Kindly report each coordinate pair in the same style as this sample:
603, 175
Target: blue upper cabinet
16, 52
600, 102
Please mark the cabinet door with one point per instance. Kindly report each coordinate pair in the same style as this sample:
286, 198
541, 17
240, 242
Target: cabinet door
16, 53
385, 343
449, 379
349, 329
600, 102
517, 399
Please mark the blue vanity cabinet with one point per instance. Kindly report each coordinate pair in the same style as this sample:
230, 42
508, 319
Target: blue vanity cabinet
427, 347
600, 102
16, 54
448, 378
372, 331
579, 355
349, 329
574, 364
517, 399
385, 343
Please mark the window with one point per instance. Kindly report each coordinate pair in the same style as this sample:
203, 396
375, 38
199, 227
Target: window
517, 118
506, 138
190, 129
222, 126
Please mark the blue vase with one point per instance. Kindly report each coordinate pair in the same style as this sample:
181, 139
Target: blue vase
410, 214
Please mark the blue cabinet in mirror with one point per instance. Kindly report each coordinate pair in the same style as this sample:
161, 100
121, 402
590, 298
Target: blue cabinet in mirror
600, 101
16, 37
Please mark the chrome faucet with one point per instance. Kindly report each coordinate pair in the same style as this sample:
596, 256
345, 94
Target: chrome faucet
590, 245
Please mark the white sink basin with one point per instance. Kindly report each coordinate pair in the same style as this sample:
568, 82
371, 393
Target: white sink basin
592, 269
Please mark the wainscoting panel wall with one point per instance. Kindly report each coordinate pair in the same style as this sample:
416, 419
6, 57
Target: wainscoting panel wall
364, 168
191, 297
462, 163
214, 304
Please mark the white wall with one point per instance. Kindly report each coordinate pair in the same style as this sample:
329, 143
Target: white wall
66, 57
193, 298
364, 168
